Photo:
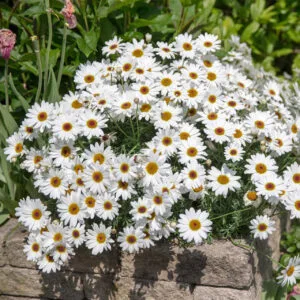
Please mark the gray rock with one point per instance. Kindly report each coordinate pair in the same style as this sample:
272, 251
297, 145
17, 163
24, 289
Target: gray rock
31, 283
214, 293
4, 233
139, 289
107, 262
14, 246
220, 264
99, 287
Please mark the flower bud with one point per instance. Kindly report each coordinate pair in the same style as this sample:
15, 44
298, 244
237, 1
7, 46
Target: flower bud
7, 42
148, 37
208, 162
68, 12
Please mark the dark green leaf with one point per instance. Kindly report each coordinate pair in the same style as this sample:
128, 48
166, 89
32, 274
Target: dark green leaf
52, 94
9, 121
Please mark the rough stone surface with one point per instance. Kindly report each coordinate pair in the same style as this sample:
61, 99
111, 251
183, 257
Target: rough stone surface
217, 271
213, 293
219, 264
30, 283
4, 231
84, 262
139, 289
14, 249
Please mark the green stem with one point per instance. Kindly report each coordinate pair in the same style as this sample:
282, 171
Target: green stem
50, 33
116, 124
6, 84
36, 47
18, 95
231, 213
63, 52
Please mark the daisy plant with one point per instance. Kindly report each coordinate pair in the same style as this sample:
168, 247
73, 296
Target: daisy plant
159, 141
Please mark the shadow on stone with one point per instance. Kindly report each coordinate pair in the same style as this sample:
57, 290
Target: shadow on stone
189, 268
152, 264
63, 285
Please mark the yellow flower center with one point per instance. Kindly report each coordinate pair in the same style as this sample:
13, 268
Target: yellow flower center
261, 168
19, 148
97, 176
74, 209
90, 201
152, 168
91, 123
89, 78
42, 116
101, 238
195, 225
223, 179
131, 239
55, 181
36, 214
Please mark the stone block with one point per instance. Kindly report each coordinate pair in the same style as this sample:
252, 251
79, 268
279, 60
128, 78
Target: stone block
98, 287
139, 289
219, 264
107, 262
31, 283
14, 246
214, 293
5, 230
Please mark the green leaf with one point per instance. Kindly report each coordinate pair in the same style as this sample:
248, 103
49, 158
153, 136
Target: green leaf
9, 121
291, 249
282, 52
257, 8
3, 218
6, 172
249, 30
88, 43
53, 56
52, 93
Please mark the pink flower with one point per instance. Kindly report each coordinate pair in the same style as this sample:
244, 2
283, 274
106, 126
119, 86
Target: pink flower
68, 12
294, 292
7, 42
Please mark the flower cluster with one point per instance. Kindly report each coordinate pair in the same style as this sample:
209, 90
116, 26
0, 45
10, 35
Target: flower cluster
152, 141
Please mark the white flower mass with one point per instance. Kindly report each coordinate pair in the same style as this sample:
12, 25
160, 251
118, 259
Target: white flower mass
152, 133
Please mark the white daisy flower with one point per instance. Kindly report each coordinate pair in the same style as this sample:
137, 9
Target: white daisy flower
191, 150
53, 184
131, 239
208, 43
193, 175
96, 178
292, 176
124, 168
252, 198
262, 227
292, 203
92, 124
113, 46
34, 247
185, 45
107, 207
270, 186
47, 264
86, 75
259, 165
40, 116
32, 213
194, 225
291, 273
140, 209
71, 209
165, 50
76, 235
15, 147
154, 169
222, 181
99, 238
234, 152
167, 116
